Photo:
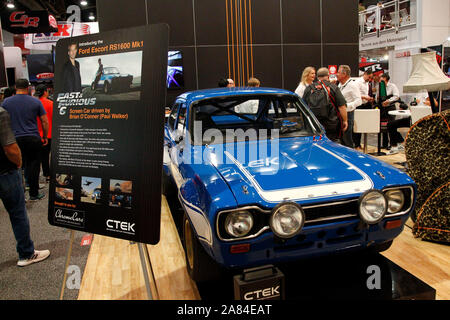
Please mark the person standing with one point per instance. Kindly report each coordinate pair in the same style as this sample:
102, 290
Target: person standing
42, 94
365, 88
24, 110
352, 95
328, 105
308, 77
11, 193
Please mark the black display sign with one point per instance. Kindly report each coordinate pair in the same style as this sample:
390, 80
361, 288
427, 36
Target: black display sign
22, 21
107, 139
260, 283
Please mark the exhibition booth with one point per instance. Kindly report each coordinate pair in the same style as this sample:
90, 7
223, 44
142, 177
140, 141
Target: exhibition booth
165, 184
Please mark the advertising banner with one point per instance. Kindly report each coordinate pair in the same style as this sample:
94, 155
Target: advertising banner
45, 41
107, 133
21, 21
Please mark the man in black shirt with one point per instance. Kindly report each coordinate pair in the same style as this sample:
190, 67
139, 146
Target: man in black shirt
328, 105
12, 195
71, 71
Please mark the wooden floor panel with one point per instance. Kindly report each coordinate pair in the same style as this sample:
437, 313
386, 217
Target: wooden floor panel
113, 269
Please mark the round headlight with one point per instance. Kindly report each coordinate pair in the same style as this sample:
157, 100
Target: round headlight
238, 224
372, 206
396, 200
287, 220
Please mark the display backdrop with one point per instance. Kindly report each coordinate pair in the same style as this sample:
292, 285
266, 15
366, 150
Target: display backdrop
107, 141
275, 39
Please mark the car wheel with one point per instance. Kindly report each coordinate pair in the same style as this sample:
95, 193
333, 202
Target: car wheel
377, 248
199, 264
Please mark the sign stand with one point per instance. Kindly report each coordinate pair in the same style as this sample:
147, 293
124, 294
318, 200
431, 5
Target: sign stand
69, 254
147, 270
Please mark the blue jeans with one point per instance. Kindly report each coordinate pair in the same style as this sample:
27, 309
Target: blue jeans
13, 198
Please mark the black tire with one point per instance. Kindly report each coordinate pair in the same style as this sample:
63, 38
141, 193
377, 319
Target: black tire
381, 247
199, 264
167, 186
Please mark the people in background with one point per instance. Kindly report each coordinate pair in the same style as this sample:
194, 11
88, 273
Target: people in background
12, 195
253, 82
365, 88
223, 83
230, 83
24, 110
387, 100
352, 95
42, 93
249, 106
325, 98
308, 77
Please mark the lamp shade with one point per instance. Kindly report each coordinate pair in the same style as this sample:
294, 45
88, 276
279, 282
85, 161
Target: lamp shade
426, 74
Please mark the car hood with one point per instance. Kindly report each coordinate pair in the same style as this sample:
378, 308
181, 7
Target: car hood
297, 169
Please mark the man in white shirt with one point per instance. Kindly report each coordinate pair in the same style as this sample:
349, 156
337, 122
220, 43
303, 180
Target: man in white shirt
365, 88
350, 90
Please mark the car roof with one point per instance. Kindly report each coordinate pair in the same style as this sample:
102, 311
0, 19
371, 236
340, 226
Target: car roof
193, 96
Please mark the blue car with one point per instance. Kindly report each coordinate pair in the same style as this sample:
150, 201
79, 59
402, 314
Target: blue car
111, 80
260, 183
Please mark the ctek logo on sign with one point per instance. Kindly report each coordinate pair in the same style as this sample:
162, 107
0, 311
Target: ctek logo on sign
120, 226
267, 293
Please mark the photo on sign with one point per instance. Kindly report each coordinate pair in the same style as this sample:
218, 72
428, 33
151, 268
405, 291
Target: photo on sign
120, 193
64, 194
112, 76
64, 180
91, 190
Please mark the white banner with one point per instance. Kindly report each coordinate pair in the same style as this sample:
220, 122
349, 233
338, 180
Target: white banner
45, 41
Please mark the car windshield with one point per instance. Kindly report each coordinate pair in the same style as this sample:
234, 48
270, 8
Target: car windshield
251, 118
110, 70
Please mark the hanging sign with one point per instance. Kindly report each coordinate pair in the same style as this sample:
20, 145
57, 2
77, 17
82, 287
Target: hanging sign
22, 21
107, 139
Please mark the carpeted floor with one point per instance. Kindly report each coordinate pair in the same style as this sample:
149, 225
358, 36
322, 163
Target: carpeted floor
43, 280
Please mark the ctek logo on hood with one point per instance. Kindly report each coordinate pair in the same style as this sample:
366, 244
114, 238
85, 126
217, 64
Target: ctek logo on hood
120, 226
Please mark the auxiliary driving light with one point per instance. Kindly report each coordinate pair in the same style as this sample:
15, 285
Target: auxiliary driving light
238, 224
372, 206
287, 219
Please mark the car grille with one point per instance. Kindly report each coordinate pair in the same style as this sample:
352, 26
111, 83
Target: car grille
331, 211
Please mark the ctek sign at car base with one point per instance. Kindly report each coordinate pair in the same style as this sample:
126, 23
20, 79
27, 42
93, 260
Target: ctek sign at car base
107, 144
261, 283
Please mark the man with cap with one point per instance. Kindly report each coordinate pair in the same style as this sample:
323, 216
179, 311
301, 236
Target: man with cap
24, 110
11, 193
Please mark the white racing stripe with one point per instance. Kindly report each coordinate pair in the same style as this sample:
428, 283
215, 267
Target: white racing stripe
311, 192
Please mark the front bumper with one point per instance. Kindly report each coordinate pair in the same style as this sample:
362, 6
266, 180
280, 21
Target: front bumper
313, 241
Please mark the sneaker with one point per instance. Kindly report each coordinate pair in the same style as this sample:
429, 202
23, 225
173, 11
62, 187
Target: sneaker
401, 147
38, 256
38, 197
393, 150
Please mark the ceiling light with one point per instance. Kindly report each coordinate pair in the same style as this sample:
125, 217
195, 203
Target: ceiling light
10, 4
91, 17
83, 3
